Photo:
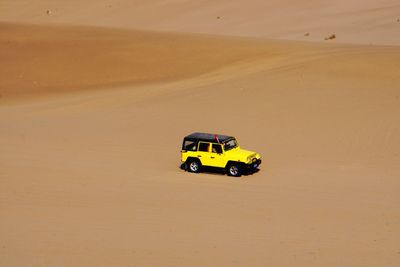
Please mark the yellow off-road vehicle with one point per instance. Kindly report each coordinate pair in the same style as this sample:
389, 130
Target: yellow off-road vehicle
219, 151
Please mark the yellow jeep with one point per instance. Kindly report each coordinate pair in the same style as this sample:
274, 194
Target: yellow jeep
220, 151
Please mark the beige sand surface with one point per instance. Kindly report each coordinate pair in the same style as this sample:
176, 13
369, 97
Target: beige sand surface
89, 154
353, 21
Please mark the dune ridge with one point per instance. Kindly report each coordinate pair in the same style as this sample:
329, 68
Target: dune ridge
352, 21
42, 59
39, 59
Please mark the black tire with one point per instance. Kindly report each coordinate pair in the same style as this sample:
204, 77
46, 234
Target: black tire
234, 169
193, 165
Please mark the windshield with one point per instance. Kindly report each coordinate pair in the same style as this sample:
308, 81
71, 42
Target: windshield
228, 145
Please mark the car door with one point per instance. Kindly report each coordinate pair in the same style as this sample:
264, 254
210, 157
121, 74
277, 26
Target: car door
217, 157
204, 152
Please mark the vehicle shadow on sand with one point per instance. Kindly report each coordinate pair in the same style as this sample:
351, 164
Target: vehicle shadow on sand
221, 172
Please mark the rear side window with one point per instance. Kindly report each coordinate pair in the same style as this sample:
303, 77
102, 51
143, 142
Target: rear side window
216, 148
204, 147
189, 146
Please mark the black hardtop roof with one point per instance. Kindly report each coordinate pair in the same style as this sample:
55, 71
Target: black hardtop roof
207, 137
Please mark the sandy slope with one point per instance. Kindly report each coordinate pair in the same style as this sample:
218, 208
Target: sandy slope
91, 178
353, 21
39, 59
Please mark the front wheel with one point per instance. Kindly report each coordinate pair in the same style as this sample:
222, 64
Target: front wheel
235, 170
193, 166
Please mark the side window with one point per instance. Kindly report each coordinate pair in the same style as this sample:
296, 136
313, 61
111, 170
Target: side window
189, 146
216, 148
204, 147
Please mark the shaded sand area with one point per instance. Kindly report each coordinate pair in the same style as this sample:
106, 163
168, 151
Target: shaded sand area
91, 177
43, 59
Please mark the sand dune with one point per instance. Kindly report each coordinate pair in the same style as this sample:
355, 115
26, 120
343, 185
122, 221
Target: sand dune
91, 178
40, 59
91, 122
353, 21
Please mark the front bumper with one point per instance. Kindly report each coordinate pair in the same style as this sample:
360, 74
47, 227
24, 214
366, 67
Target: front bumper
254, 165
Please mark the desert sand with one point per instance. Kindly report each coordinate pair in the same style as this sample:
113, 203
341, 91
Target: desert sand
96, 96
353, 21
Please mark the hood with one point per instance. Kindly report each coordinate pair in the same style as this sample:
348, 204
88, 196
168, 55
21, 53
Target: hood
241, 154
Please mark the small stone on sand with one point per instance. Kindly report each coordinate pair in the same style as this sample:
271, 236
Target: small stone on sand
330, 37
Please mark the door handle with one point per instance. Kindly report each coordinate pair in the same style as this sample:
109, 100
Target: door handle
212, 157
199, 156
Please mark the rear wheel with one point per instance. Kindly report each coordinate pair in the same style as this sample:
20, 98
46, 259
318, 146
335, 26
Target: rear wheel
234, 169
193, 166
